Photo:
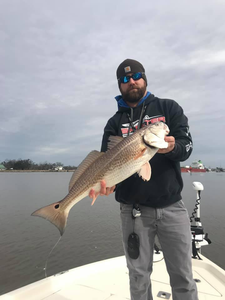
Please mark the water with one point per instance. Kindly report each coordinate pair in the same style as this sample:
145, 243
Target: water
92, 233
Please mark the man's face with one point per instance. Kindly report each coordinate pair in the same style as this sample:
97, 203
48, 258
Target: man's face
133, 91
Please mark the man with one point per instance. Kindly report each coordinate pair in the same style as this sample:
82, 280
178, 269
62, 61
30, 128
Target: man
150, 208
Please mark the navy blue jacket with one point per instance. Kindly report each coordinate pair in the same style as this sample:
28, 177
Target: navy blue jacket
165, 185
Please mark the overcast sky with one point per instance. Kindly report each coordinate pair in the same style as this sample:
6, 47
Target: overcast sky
57, 71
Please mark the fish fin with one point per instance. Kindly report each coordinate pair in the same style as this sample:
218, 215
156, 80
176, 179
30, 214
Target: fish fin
113, 141
145, 171
140, 154
94, 195
54, 214
94, 198
84, 165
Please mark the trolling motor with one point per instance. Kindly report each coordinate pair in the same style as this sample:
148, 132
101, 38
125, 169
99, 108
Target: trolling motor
199, 238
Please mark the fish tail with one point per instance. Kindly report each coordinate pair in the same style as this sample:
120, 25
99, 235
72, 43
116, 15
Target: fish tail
55, 214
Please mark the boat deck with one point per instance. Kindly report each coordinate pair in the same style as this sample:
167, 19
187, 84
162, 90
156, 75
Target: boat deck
109, 280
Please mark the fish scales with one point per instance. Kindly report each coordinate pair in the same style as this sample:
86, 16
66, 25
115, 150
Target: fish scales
114, 158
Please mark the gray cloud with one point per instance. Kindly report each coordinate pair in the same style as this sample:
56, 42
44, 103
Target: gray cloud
58, 62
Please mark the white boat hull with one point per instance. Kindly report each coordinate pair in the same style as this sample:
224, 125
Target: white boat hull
108, 279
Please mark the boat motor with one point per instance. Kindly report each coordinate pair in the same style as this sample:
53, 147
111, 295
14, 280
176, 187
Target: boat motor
199, 238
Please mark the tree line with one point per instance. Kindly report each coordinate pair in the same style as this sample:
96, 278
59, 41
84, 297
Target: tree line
28, 164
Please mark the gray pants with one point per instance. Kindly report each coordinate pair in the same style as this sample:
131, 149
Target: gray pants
172, 226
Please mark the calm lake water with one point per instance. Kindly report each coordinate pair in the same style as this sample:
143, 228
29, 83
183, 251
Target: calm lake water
92, 233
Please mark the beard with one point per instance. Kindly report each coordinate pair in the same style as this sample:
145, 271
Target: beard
134, 94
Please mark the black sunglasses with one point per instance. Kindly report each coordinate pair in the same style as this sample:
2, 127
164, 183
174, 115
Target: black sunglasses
135, 77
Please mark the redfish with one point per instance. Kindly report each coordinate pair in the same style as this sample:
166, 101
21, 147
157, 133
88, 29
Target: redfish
124, 157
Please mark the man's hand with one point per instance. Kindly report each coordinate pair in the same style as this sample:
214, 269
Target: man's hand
171, 144
104, 191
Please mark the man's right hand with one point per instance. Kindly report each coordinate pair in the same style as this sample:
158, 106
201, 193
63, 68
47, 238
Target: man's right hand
104, 191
